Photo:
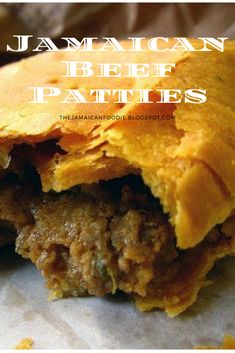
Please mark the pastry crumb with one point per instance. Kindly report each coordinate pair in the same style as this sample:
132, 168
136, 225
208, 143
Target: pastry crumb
228, 343
25, 343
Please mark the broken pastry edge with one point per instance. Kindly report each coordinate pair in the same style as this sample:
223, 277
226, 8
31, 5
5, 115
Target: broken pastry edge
184, 241
181, 305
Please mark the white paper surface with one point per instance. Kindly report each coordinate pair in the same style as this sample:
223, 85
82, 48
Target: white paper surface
111, 322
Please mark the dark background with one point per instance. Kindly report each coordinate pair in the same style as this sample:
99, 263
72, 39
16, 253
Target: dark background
120, 20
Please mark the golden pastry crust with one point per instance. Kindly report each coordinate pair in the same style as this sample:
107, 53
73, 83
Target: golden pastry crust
188, 162
25, 343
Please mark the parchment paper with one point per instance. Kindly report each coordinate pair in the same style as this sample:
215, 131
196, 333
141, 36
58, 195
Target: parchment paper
111, 322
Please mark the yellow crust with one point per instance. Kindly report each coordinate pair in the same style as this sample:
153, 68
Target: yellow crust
25, 343
189, 162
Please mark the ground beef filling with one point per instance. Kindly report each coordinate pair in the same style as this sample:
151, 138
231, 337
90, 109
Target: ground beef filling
95, 239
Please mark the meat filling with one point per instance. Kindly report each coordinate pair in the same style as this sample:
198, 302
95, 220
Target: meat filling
96, 239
